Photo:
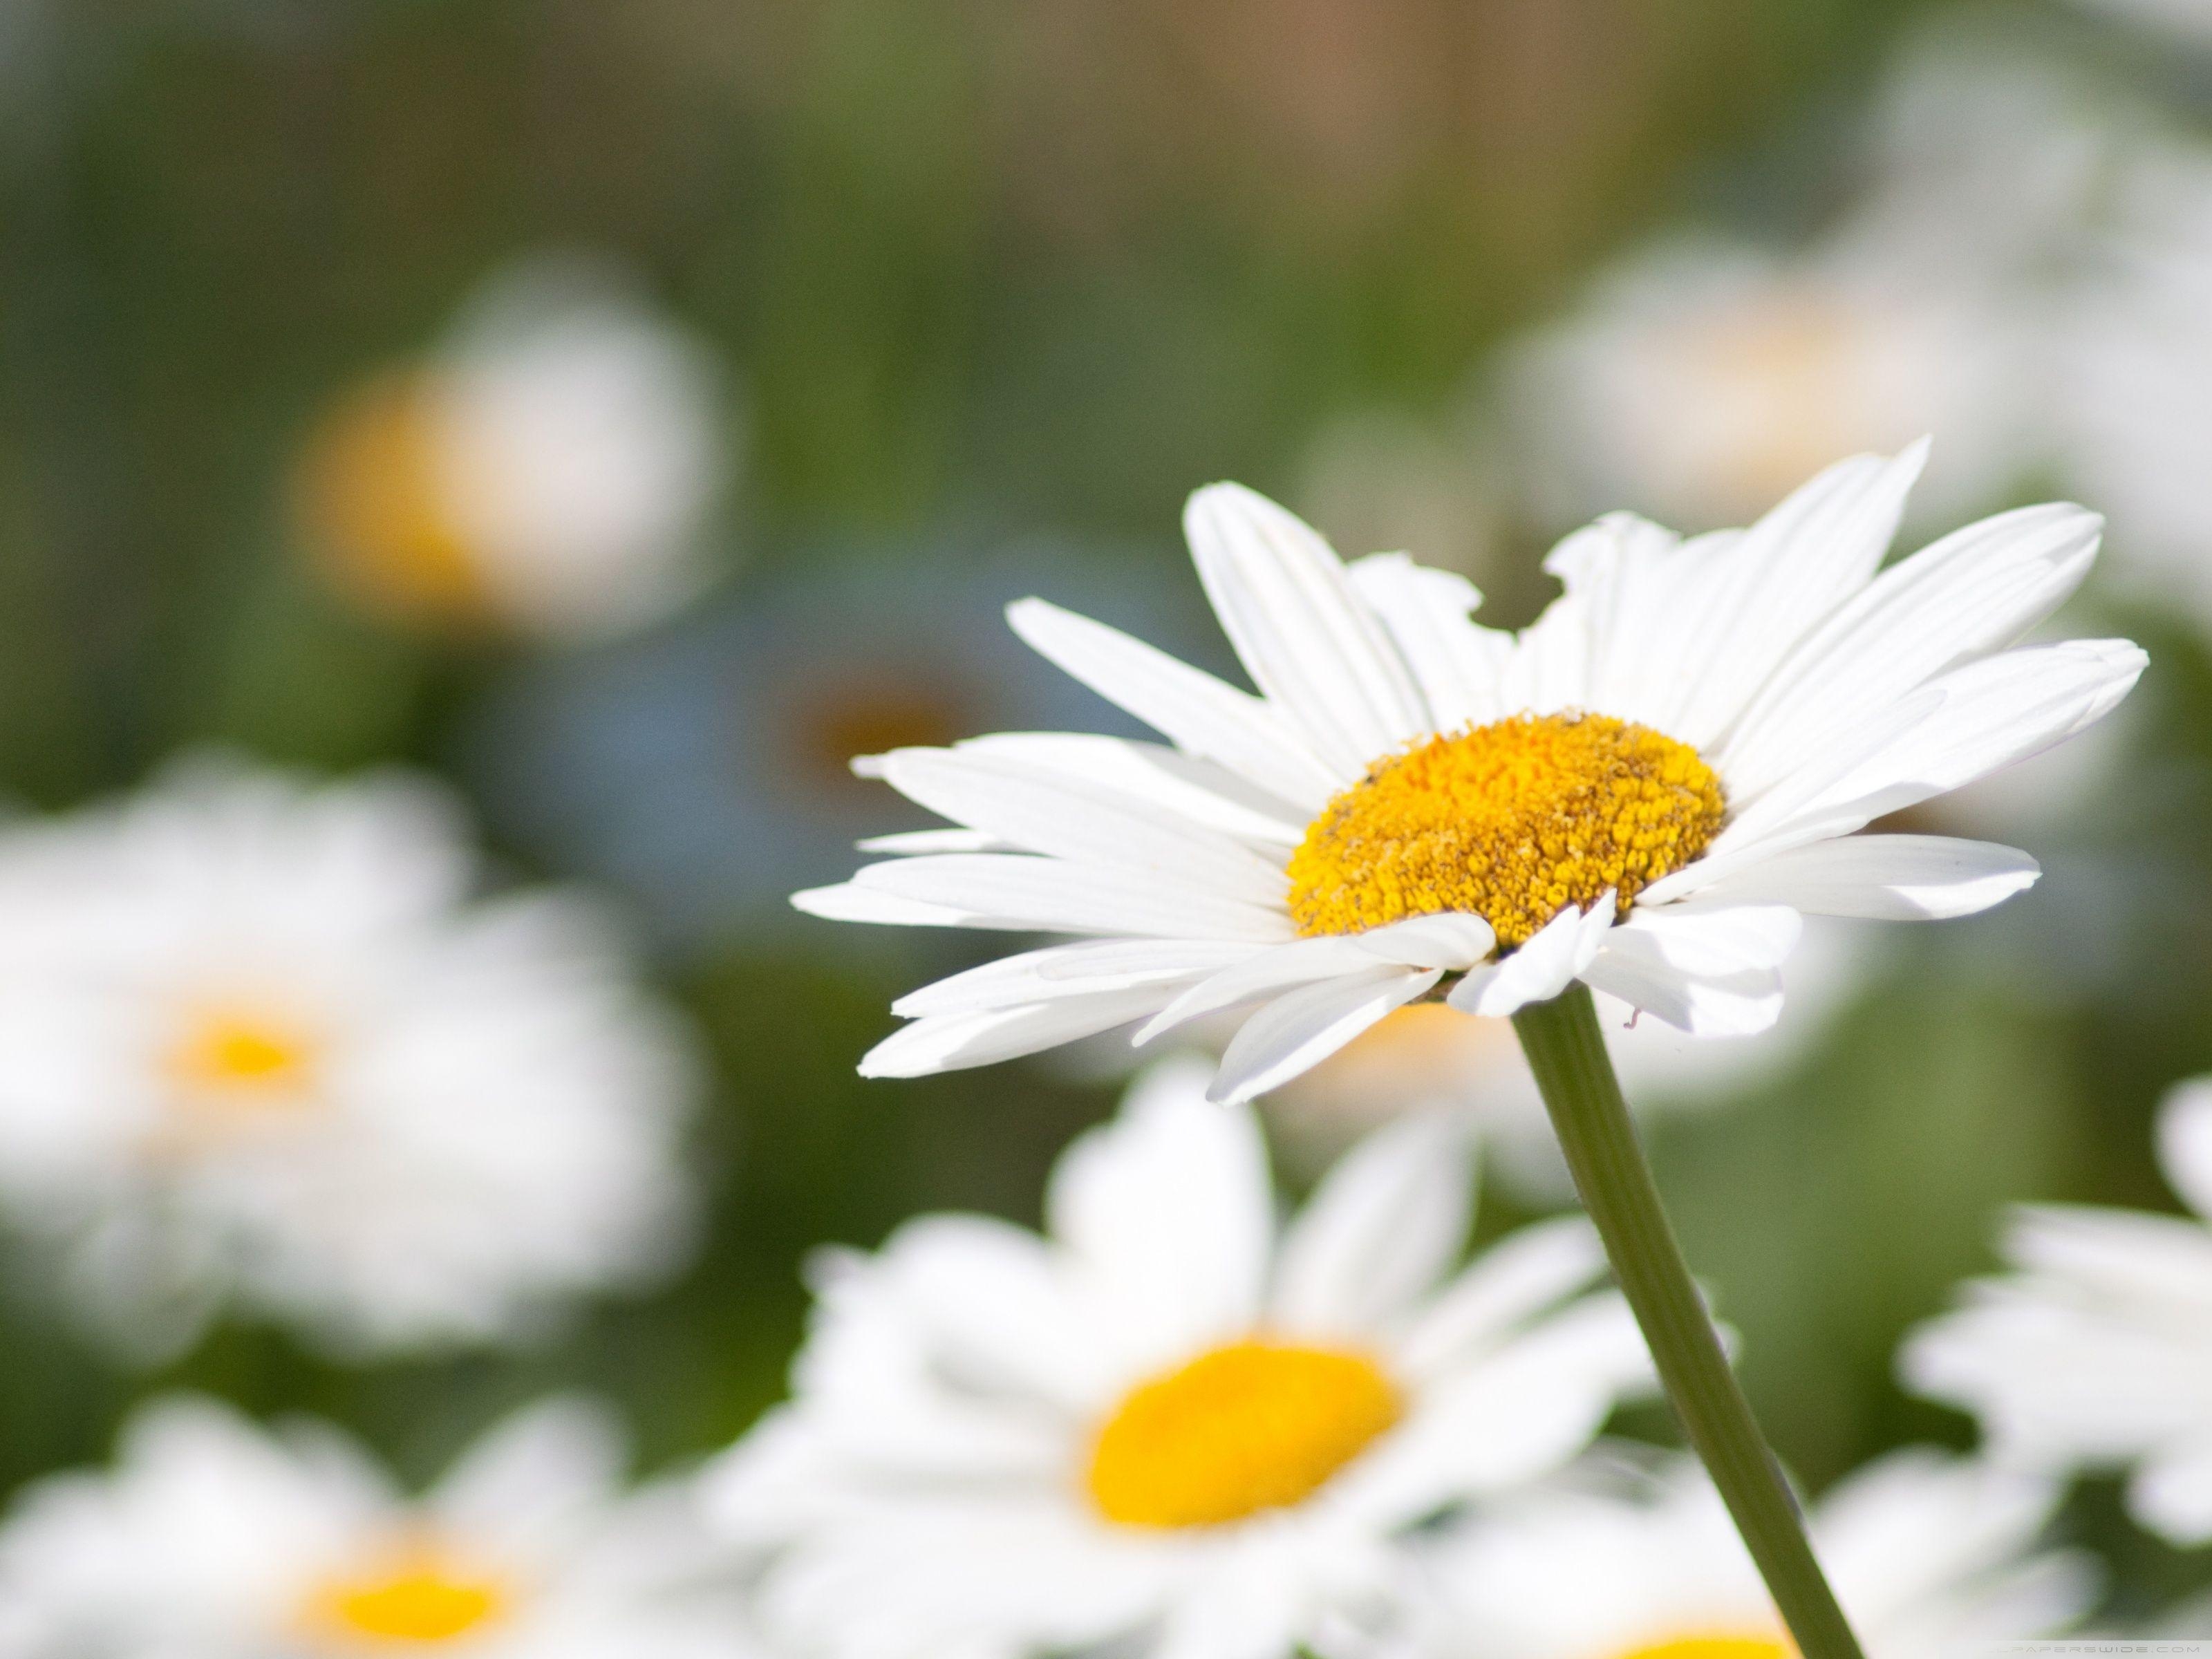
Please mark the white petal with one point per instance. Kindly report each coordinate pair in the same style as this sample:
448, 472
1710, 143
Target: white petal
2172, 1493
1056, 814
2184, 1143
1201, 791
915, 843
1297, 1031
1007, 889
1071, 971
1459, 666
1523, 1275
850, 901
951, 1042
1385, 1225
1453, 940
1308, 642
1301, 962
1976, 591
1168, 1212
1796, 564
1711, 940
1541, 968
548, 1469
1191, 708
1886, 878
1633, 968
1992, 714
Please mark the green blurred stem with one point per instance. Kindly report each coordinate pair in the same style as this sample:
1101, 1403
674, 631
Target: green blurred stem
1568, 1054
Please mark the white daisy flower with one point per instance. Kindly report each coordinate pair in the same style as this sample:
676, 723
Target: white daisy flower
1430, 1057
256, 1046
2096, 1351
213, 1539
1930, 1555
547, 470
2137, 350
1643, 790
1165, 1422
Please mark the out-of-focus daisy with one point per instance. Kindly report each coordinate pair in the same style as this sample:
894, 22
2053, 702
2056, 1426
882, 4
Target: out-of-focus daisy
2136, 417
1930, 1554
547, 470
257, 1045
704, 770
1388, 482
1430, 1057
213, 1539
2188, 19
1643, 790
1702, 377
2096, 1351
1165, 1422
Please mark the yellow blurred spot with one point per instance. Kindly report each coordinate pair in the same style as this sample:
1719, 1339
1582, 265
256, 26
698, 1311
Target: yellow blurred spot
1716, 1644
1251, 1426
1788, 365
233, 1053
416, 1599
374, 505
1511, 822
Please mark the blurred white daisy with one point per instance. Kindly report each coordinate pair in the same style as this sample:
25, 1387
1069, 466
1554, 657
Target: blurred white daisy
1165, 1422
548, 470
258, 1046
2135, 416
1643, 790
2096, 1351
1702, 377
2188, 20
213, 1539
1430, 1057
1930, 1555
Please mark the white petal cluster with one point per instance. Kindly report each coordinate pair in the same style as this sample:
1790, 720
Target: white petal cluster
2095, 1351
1929, 1555
924, 1493
441, 1116
1824, 691
212, 1538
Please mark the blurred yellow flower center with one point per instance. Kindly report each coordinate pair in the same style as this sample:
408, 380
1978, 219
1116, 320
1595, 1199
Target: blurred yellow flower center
230, 1053
1511, 822
417, 1598
375, 504
1255, 1426
1716, 1644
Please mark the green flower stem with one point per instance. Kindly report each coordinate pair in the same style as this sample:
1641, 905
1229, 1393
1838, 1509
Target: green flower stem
1568, 1054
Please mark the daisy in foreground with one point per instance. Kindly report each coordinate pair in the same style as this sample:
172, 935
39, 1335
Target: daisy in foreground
1642, 791
1932, 1555
2097, 1352
257, 1045
213, 1539
1165, 1423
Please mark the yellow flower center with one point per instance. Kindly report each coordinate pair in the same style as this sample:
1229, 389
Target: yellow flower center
418, 1597
373, 505
242, 1056
1716, 1644
1511, 822
1254, 1425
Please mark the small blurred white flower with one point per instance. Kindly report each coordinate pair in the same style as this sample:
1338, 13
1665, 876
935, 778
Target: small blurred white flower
1930, 1554
1430, 1057
1166, 1423
2096, 1352
256, 1046
213, 1539
2135, 416
547, 470
1702, 377
1390, 483
2189, 20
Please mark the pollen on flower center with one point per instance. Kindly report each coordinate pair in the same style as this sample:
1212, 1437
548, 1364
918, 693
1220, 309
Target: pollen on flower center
1512, 822
1715, 1645
1250, 1426
417, 1597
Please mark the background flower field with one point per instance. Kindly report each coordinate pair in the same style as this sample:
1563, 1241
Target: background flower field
623, 414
